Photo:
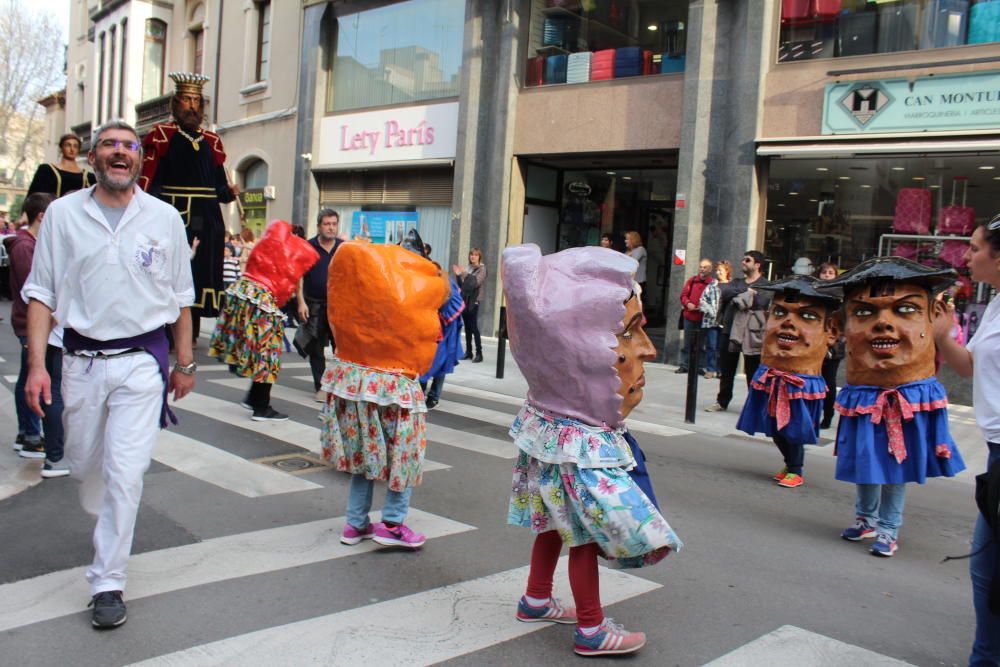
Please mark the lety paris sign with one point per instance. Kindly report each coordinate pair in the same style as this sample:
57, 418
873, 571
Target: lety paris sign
932, 103
425, 132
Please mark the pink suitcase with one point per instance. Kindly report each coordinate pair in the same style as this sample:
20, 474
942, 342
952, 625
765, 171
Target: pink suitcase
826, 10
794, 10
535, 71
953, 253
957, 220
906, 250
913, 211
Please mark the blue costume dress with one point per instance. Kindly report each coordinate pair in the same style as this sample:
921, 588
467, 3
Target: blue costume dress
785, 404
895, 435
449, 349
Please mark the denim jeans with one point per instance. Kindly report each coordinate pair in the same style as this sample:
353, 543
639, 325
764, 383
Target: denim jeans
53, 420
986, 647
711, 338
28, 422
436, 385
882, 506
359, 503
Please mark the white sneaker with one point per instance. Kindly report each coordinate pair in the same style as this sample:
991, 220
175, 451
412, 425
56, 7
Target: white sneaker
58, 469
320, 396
715, 408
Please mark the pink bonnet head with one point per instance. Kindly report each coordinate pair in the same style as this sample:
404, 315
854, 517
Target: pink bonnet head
563, 313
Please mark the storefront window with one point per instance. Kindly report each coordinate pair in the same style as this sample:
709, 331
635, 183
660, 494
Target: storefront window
847, 210
153, 52
403, 53
832, 28
574, 41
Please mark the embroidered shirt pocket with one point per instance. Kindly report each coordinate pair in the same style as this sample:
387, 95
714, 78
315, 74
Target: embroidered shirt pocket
150, 257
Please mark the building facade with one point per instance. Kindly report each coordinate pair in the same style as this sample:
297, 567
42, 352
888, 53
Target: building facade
791, 126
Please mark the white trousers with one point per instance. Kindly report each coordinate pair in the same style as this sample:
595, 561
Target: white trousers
111, 416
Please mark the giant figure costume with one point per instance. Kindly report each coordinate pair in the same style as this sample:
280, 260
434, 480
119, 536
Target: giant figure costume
186, 170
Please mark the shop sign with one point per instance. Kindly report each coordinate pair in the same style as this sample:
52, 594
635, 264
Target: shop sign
254, 206
426, 132
958, 102
383, 226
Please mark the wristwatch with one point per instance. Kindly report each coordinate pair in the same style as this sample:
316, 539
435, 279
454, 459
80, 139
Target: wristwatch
186, 370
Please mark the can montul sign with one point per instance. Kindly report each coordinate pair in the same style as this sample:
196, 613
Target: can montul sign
931, 103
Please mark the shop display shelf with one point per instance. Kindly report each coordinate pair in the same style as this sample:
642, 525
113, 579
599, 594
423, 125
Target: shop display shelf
551, 50
593, 26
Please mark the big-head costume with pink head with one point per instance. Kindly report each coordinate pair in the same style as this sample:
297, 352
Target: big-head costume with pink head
563, 313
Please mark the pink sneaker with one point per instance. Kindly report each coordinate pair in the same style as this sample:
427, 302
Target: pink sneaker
352, 535
398, 536
609, 639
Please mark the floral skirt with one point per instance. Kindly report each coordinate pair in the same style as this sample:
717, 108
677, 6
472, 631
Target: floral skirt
573, 478
374, 424
248, 334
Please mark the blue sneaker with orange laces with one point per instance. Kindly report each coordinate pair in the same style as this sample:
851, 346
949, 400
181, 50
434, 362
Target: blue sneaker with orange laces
553, 612
885, 545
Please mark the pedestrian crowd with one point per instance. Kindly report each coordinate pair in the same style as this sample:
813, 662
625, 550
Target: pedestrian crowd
113, 257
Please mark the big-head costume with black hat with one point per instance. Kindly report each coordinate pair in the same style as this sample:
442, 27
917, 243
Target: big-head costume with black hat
894, 412
566, 316
183, 165
787, 390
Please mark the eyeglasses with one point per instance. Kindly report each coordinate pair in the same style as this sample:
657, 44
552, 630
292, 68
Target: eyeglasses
994, 224
130, 146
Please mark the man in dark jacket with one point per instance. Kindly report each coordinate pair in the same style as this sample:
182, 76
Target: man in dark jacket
729, 359
315, 333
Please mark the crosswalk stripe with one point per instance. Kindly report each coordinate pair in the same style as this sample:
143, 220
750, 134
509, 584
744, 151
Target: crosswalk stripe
435, 434
10, 378
217, 559
16, 474
789, 645
291, 431
216, 466
420, 629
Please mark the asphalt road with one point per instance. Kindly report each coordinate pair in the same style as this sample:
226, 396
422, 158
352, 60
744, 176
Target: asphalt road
233, 565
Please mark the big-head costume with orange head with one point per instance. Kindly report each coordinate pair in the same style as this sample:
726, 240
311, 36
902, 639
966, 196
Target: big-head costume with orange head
893, 411
383, 306
802, 325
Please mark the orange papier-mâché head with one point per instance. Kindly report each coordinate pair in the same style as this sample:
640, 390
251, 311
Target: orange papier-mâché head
801, 325
383, 306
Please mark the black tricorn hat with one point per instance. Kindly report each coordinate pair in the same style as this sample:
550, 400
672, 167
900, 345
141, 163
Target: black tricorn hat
893, 270
805, 286
413, 242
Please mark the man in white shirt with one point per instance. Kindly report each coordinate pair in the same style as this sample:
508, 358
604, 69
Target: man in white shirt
112, 267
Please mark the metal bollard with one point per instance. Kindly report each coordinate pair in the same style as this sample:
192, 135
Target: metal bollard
502, 343
692, 377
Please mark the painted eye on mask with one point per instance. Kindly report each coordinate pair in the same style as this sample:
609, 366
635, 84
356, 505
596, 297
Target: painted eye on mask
779, 311
627, 335
863, 311
809, 315
907, 309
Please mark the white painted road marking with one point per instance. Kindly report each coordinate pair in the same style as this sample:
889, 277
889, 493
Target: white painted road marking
229, 471
453, 621
789, 645
65, 592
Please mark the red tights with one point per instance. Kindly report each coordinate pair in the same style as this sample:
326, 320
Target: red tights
583, 577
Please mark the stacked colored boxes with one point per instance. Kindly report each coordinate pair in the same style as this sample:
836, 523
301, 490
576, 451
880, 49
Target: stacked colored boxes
602, 65
555, 69
578, 67
628, 61
671, 64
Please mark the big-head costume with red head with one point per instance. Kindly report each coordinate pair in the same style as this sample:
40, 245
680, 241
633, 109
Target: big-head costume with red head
894, 418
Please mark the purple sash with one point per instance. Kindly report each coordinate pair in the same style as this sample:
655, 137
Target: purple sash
154, 342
